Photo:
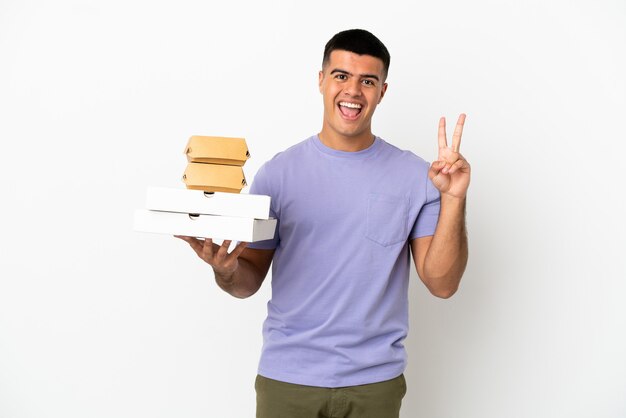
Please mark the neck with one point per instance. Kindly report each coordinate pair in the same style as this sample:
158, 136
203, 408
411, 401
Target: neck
346, 143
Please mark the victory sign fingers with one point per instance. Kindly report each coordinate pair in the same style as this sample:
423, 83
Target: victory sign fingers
450, 173
456, 136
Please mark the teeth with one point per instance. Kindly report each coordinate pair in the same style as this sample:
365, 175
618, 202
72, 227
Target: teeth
352, 105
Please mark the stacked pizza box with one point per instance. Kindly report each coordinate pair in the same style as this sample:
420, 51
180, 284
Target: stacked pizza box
211, 205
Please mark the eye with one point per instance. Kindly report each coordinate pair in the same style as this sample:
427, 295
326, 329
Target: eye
369, 82
341, 77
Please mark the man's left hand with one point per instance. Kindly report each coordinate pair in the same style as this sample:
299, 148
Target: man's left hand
451, 172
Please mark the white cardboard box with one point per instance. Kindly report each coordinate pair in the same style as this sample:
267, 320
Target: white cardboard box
204, 226
203, 203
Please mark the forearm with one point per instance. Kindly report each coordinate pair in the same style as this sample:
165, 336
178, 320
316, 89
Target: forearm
446, 258
244, 282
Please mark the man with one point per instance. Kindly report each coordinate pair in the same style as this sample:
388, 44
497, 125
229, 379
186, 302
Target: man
349, 206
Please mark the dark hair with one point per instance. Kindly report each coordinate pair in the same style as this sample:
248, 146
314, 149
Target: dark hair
360, 42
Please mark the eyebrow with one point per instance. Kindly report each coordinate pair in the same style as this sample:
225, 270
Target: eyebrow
339, 70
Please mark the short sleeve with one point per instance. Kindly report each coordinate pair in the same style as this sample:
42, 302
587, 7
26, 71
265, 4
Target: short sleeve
262, 185
427, 218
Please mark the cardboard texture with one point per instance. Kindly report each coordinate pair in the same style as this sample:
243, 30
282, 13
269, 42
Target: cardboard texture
204, 226
203, 203
214, 177
217, 150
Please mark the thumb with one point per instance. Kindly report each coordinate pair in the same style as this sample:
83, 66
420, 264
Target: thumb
435, 168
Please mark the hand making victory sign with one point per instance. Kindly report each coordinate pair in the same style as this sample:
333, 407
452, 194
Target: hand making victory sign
451, 172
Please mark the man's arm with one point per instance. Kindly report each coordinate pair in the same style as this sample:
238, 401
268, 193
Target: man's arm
440, 259
240, 272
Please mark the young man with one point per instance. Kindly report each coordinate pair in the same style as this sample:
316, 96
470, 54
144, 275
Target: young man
349, 206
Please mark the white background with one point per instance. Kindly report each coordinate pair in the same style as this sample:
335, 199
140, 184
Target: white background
98, 98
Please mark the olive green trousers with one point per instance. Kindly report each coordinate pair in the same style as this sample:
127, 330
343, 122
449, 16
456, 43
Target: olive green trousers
286, 400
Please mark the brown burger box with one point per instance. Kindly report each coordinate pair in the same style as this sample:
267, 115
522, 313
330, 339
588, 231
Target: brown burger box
214, 177
217, 150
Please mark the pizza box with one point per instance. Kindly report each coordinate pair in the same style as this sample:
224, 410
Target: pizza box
208, 203
204, 226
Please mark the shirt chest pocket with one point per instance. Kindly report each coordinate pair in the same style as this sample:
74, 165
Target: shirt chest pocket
387, 219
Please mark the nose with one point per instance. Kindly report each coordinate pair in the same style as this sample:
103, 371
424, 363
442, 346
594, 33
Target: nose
352, 87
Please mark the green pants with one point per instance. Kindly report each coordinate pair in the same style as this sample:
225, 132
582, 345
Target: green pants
285, 400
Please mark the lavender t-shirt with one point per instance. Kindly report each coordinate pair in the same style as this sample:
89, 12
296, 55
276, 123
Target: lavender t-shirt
338, 314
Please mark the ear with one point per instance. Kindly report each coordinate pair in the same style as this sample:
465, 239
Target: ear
382, 92
321, 79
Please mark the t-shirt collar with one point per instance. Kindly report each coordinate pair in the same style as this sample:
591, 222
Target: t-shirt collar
346, 154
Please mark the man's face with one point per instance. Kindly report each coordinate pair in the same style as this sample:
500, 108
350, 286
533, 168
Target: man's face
352, 86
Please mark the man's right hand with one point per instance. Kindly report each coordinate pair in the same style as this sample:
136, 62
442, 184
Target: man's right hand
217, 256
240, 272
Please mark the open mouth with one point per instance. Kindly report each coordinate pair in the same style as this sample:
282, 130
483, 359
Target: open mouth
350, 110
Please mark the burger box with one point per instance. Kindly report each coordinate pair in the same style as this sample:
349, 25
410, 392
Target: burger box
217, 150
204, 226
214, 177
208, 203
